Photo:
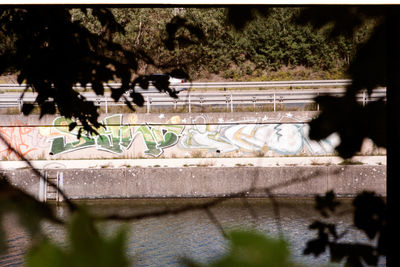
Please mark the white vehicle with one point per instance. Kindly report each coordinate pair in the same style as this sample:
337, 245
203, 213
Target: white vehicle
153, 78
173, 80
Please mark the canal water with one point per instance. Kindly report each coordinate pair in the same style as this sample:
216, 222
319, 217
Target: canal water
163, 241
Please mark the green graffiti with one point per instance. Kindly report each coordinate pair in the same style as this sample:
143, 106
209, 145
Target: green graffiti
158, 137
58, 145
113, 137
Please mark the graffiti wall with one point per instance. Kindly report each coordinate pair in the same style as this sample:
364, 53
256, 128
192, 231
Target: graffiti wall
184, 135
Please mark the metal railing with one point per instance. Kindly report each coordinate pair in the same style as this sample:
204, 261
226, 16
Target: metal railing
229, 99
214, 85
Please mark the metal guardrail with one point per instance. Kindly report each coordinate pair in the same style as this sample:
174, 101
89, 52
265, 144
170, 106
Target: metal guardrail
268, 84
230, 99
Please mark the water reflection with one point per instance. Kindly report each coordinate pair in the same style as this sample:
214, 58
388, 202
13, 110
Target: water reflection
162, 241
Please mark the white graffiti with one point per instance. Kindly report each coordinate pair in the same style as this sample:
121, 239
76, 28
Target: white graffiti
248, 137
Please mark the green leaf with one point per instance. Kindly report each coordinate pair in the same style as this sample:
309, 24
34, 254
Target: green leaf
86, 247
253, 249
30, 211
45, 254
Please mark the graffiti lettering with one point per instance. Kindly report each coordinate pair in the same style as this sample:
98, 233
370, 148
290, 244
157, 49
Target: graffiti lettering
15, 136
283, 139
276, 135
115, 137
159, 137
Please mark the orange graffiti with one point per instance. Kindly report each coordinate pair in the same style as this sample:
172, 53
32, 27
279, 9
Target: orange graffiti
14, 135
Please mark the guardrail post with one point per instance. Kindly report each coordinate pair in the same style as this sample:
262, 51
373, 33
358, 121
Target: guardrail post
60, 185
105, 100
20, 104
254, 103
190, 108
231, 103
175, 102
274, 102
364, 97
148, 101
42, 188
98, 102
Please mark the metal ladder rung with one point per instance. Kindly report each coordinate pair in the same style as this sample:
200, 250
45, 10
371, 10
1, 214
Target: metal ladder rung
46, 191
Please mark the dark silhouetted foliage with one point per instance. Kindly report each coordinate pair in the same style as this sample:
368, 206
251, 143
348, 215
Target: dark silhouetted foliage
52, 53
369, 217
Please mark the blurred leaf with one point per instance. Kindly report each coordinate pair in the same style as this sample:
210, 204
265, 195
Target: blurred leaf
107, 20
327, 202
338, 252
30, 212
160, 82
116, 93
172, 92
240, 16
332, 230
137, 99
72, 126
318, 246
353, 253
343, 20
128, 103
80, 131
179, 73
370, 213
27, 108
98, 88
252, 249
351, 121
175, 31
3, 238
46, 254
142, 81
315, 246
369, 216
48, 107
368, 69
383, 241
86, 247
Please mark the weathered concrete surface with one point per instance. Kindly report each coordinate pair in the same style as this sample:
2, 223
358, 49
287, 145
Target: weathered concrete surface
291, 181
347, 179
190, 162
23, 179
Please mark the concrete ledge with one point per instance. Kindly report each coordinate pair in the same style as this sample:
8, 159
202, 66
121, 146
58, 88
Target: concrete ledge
192, 162
290, 181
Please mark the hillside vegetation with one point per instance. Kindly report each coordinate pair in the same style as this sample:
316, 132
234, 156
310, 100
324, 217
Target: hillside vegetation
274, 47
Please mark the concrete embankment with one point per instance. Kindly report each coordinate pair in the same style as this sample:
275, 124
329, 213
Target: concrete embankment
284, 181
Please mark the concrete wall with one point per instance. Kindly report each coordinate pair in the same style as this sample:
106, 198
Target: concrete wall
168, 135
210, 181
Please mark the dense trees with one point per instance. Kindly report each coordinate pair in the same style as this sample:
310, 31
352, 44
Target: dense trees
264, 45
